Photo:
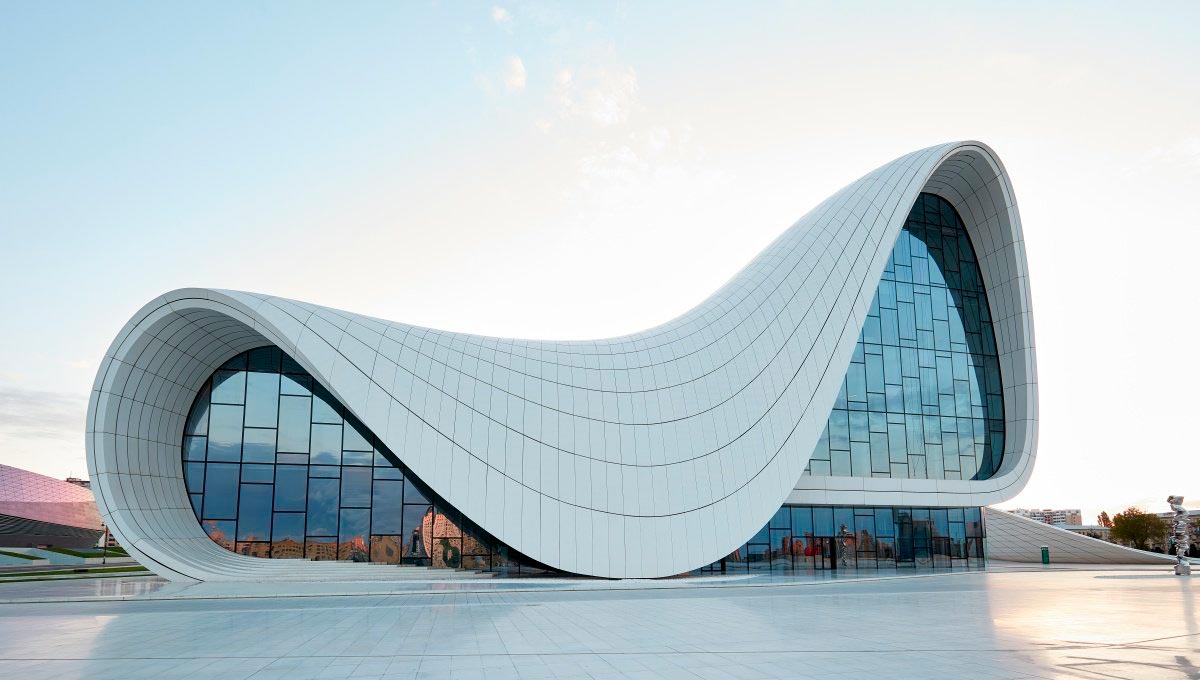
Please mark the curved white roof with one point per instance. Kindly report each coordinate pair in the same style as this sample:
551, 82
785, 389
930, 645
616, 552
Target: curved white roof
637, 456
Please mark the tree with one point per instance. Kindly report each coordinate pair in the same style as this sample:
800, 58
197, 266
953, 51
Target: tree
1137, 529
1103, 520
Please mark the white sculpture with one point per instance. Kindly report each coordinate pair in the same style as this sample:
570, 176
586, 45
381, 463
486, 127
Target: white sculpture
1180, 525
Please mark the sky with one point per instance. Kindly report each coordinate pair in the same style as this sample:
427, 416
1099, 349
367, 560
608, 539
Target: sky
575, 170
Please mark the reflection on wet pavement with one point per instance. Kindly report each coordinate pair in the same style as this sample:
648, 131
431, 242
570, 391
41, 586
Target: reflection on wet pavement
996, 624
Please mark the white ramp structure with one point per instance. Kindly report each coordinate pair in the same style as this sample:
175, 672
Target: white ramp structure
644, 455
1019, 539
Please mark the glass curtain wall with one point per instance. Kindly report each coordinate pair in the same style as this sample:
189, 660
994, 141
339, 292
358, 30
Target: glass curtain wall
803, 537
276, 467
922, 396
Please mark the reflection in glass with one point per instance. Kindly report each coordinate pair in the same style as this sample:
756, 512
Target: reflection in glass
262, 399
802, 537
326, 445
291, 487
387, 498
922, 394
229, 387
220, 531
254, 513
322, 507
288, 526
352, 537
220, 491
275, 467
225, 433
294, 423
258, 445
356, 488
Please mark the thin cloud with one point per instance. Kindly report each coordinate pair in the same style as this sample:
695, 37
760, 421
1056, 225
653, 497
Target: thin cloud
514, 81
33, 414
501, 16
606, 95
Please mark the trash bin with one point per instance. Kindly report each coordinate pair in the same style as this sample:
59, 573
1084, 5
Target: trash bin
1045, 554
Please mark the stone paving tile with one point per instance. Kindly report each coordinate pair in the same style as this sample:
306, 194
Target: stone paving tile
981, 625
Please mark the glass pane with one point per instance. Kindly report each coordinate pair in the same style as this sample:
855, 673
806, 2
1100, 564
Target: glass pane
254, 549
197, 422
289, 365
288, 526
225, 433
229, 387
264, 359
262, 399
324, 410
414, 528
413, 494
258, 473
782, 518
323, 507
356, 488
355, 438
220, 491
194, 447
194, 474
294, 423
386, 498
389, 473
291, 484
254, 513
258, 445
823, 522
884, 522
353, 534
221, 532
386, 549
316, 548
326, 444
802, 521
296, 384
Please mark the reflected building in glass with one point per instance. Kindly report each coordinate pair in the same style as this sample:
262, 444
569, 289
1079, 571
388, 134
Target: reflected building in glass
276, 467
850, 400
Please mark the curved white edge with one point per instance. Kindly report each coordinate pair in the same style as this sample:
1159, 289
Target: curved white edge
971, 177
638, 456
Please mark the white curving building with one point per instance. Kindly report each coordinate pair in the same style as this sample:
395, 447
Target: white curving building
854, 395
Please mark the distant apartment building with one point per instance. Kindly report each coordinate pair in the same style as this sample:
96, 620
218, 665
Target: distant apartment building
1073, 517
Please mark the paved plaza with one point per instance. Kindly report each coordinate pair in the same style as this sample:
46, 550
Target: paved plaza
999, 623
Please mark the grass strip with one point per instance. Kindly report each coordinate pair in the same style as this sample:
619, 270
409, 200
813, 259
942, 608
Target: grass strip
72, 572
20, 555
68, 551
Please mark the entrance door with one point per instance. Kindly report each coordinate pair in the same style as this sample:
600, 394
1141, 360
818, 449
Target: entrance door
829, 556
